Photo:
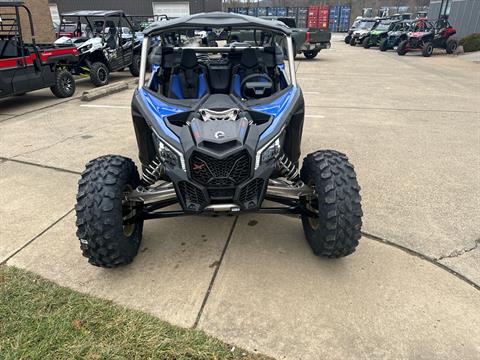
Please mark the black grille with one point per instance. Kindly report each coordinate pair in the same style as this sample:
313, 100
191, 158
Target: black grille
250, 194
229, 171
221, 194
414, 43
192, 196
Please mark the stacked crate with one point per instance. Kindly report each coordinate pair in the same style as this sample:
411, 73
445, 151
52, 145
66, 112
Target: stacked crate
318, 17
339, 18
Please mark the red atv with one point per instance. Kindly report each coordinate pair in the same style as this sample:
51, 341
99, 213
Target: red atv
426, 36
27, 67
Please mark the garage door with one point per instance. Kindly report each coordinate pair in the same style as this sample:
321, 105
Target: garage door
172, 9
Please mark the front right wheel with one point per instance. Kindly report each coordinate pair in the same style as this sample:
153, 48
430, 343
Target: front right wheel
108, 225
332, 219
99, 74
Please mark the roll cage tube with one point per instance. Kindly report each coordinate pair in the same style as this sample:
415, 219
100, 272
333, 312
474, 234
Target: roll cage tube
146, 46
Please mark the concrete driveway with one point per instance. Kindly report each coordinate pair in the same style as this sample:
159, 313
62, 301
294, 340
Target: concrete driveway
410, 125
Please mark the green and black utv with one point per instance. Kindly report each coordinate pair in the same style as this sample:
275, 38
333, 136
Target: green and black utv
379, 33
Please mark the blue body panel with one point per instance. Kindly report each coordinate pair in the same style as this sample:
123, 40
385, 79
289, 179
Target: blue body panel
159, 110
276, 109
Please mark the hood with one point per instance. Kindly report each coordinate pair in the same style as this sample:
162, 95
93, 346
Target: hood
93, 42
361, 32
64, 40
378, 32
395, 33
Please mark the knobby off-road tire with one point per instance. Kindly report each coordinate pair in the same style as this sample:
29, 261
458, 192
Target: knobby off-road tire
402, 48
347, 39
135, 65
352, 42
104, 238
427, 49
366, 43
64, 84
311, 54
99, 74
335, 231
452, 45
383, 45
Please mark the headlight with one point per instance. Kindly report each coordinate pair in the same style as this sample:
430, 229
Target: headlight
269, 152
86, 48
168, 154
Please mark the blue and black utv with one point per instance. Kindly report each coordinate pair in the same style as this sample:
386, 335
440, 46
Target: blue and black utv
219, 130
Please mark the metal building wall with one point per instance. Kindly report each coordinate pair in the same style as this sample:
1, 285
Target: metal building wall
434, 9
135, 7
464, 15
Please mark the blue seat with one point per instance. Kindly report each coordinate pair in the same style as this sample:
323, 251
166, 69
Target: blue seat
188, 79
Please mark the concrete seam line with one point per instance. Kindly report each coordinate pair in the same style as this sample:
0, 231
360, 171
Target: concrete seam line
43, 108
40, 165
214, 276
423, 257
36, 237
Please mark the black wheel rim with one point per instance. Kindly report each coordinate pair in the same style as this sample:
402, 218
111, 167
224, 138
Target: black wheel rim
312, 206
129, 211
102, 74
67, 84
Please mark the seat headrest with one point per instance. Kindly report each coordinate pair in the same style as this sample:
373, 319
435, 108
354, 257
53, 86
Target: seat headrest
249, 58
189, 59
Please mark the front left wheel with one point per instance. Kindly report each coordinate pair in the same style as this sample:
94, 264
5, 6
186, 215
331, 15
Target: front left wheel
64, 84
108, 225
427, 49
332, 219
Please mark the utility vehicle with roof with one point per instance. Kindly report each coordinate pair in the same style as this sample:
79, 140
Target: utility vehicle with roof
219, 131
105, 42
379, 33
363, 30
350, 31
396, 35
27, 65
426, 35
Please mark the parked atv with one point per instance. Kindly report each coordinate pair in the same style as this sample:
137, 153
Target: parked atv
352, 29
396, 35
109, 45
379, 33
31, 66
426, 36
363, 30
219, 131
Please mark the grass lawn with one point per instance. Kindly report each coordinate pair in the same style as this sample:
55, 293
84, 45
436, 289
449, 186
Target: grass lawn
41, 320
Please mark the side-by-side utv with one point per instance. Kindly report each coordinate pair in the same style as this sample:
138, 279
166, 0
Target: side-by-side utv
106, 42
396, 35
26, 65
219, 131
426, 35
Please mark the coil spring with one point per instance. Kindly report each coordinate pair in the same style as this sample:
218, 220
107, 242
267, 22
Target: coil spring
152, 172
288, 169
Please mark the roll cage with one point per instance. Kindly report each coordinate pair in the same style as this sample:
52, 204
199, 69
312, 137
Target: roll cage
223, 22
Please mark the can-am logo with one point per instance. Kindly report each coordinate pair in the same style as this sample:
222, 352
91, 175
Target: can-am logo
198, 166
219, 135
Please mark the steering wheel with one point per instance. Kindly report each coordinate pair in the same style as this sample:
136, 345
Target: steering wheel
256, 86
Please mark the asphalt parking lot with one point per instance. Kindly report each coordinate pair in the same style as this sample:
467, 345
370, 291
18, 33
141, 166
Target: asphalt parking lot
411, 127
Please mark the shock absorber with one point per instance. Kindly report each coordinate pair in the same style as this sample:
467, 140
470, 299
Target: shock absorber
288, 169
152, 172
